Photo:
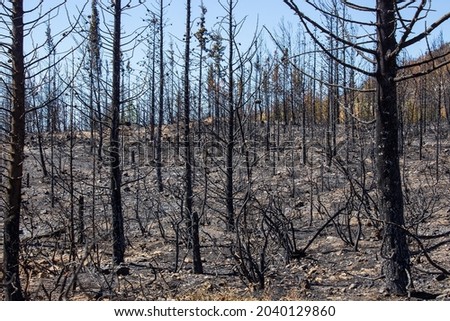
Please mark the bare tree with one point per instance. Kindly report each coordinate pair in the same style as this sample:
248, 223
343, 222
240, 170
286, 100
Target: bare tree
202, 37
161, 97
114, 148
392, 33
231, 115
190, 214
95, 64
22, 71
13, 288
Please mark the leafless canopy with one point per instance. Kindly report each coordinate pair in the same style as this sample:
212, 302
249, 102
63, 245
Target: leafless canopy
412, 26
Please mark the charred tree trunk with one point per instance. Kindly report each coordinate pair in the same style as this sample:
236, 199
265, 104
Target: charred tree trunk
153, 95
385, 49
96, 70
230, 140
12, 287
192, 217
114, 152
41, 149
395, 251
161, 98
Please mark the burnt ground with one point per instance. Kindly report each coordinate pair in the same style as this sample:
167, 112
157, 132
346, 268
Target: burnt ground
279, 210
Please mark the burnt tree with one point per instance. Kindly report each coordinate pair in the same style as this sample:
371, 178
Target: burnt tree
395, 30
114, 148
396, 263
231, 115
190, 214
13, 289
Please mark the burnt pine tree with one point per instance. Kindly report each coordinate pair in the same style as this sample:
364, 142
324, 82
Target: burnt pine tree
12, 288
202, 37
154, 29
114, 148
396, 265
192, 216
18, 72
231, 113
95, 62
396, 28
161, 98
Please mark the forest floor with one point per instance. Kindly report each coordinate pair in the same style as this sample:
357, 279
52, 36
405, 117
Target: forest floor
284, 208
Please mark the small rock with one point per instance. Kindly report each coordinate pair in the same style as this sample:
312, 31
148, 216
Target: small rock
123, 271
441, 277
352, 286
105, 271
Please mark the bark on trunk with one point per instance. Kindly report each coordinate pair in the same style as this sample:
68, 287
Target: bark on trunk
230, 142
114, 152
192, 217
12, 287
396, 257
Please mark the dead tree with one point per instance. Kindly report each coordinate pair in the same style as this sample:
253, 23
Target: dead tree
190, 214
114, 150
19, 68
231, 111
394, 31
13, 288
95, 64
161, 97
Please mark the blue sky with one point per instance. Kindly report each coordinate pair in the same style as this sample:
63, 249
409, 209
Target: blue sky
268, 12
